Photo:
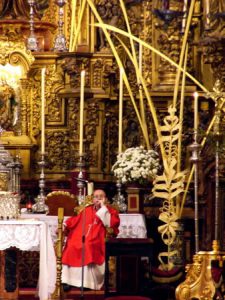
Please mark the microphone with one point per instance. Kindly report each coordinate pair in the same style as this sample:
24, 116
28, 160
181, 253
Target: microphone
82, 180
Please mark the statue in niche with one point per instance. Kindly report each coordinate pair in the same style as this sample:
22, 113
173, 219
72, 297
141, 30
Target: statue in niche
20, 9
4, 179
9, 108
110, 14
132, 135
216, 14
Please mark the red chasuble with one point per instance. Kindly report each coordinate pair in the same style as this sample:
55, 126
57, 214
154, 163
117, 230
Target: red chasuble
94, 243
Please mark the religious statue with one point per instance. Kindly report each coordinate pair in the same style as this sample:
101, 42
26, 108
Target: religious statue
4, 178
214, 18
8, 107
110, 14
20, 9
132, 135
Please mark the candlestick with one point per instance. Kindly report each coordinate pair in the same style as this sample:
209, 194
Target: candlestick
61, 213
43, 110
81, 182
120, 111
40, 206
60, 40
82, 83
32, 43
195, 111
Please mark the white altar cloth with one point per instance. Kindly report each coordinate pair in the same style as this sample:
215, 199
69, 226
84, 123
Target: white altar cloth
32, 235
131, 225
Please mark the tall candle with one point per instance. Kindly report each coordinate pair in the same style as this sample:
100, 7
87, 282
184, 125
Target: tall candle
207, 9
120, 142
195, 111
140, 58
82, 82
165, 4
184, 15
43, 110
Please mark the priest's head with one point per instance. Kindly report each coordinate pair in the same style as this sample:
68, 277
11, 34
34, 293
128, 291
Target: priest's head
99, 198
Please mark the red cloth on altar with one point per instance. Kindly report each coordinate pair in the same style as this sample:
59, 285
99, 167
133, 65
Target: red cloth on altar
94, 245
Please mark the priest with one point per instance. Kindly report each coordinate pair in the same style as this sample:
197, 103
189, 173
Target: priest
84, 253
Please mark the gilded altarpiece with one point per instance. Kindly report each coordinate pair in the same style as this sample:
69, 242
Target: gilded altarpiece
167, 35
14, 101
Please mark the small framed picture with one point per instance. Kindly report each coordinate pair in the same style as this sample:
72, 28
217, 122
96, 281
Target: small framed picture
133, 203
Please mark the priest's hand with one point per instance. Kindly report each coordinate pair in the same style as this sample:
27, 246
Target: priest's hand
102, 202
99, 203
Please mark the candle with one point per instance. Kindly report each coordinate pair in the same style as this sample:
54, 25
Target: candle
29, 206
43, 110
184, 15
165, 4
195, 111
140, 58
82, 82
90, 188
207, 12
120, 111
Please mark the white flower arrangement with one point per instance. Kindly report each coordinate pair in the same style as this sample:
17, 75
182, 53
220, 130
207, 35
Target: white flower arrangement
136, 165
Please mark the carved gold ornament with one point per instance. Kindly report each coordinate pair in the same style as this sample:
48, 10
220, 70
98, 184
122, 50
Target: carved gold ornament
16, 54
202, 278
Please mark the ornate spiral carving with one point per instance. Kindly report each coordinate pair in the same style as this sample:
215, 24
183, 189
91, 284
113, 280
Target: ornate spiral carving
19, 58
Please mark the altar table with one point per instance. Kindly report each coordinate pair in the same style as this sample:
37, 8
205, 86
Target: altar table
32, 235
127, 252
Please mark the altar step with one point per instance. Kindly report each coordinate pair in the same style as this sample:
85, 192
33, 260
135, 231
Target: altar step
74, 294
88, 295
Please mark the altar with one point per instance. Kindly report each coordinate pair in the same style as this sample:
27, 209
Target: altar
32, 235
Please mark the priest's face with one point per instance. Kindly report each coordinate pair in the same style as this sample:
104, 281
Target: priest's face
99, 199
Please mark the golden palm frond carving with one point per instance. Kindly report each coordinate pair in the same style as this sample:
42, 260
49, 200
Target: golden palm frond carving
170, 184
